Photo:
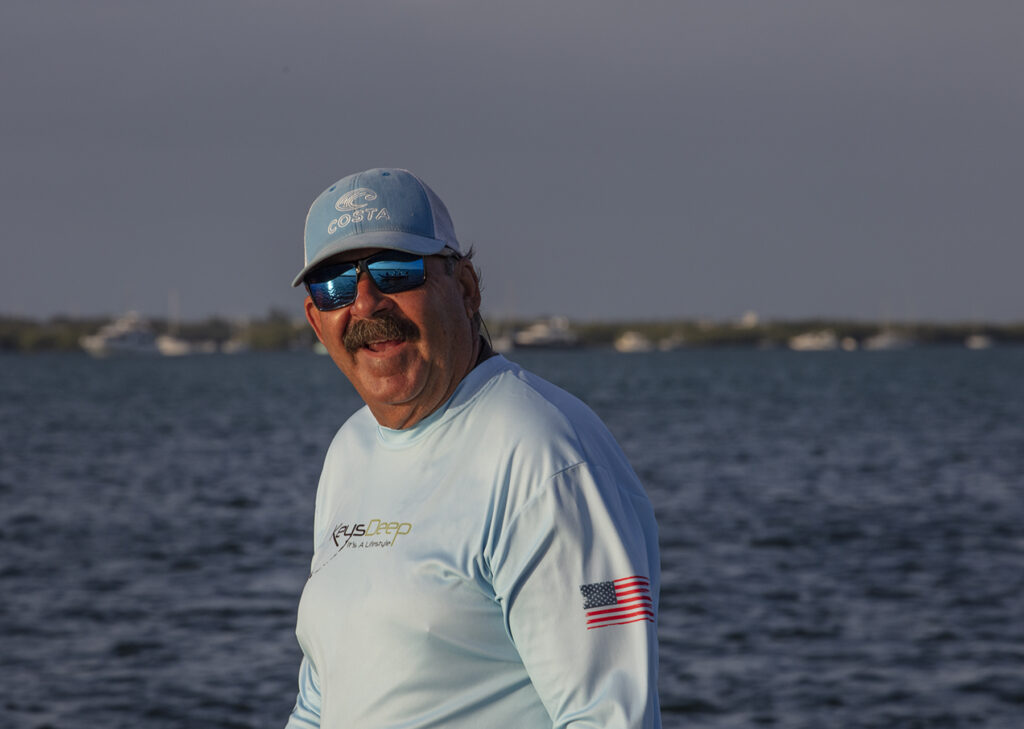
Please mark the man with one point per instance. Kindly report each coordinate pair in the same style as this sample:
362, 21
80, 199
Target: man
484, 556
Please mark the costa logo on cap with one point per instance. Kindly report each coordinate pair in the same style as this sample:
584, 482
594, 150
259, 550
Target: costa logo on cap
354, 208
355, 199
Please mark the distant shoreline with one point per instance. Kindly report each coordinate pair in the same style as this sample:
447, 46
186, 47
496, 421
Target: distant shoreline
278, 331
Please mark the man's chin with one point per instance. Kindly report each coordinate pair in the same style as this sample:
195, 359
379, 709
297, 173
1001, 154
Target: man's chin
388, 368
389, 395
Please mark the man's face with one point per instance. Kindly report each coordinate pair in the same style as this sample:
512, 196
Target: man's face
404, 353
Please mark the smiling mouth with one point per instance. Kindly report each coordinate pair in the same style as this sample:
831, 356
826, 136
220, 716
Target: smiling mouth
382, 345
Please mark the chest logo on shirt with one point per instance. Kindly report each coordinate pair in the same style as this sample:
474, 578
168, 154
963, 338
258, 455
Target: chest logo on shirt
374, 534
378, 532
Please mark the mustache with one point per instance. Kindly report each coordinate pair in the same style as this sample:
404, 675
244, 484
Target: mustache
383, 326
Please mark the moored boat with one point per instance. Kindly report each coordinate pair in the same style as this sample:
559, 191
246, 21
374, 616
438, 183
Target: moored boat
126, 335
553, 333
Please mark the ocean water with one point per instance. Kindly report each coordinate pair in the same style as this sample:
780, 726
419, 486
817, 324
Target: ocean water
842, 533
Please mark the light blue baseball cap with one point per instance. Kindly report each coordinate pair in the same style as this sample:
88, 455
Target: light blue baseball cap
378, 208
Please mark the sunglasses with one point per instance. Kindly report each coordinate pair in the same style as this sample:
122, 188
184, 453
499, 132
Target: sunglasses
334, 286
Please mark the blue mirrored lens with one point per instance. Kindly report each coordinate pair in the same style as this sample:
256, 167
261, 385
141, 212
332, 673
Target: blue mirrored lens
334, 286
396, 272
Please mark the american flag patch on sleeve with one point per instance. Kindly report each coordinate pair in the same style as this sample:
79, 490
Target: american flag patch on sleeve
626, 600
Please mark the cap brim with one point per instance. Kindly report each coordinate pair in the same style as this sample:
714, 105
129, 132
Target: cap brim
390, 239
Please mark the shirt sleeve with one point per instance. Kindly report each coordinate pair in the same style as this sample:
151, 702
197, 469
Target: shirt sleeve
576, 571
306, 713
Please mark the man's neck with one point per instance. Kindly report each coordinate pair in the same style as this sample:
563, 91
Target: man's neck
486, 351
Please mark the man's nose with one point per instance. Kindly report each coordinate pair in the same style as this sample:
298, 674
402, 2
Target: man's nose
369, 298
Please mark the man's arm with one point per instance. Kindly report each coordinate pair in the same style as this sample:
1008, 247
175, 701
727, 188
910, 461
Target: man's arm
578, 575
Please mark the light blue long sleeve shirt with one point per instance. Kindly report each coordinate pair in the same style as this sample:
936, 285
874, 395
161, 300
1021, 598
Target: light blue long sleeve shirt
496, 565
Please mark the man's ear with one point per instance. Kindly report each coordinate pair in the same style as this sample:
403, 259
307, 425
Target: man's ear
469, 284
313, 317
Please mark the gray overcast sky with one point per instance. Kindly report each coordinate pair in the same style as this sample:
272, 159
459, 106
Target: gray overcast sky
608, 160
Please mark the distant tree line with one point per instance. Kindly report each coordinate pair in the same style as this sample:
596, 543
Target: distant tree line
57, 334
275, 331
779, 333
278, 331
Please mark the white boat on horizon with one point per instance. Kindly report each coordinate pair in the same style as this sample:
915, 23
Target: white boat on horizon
818, 341
631, 341
126, 335
888, 339
978, 341
672, 343
502, 343
552, 333
171, 346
